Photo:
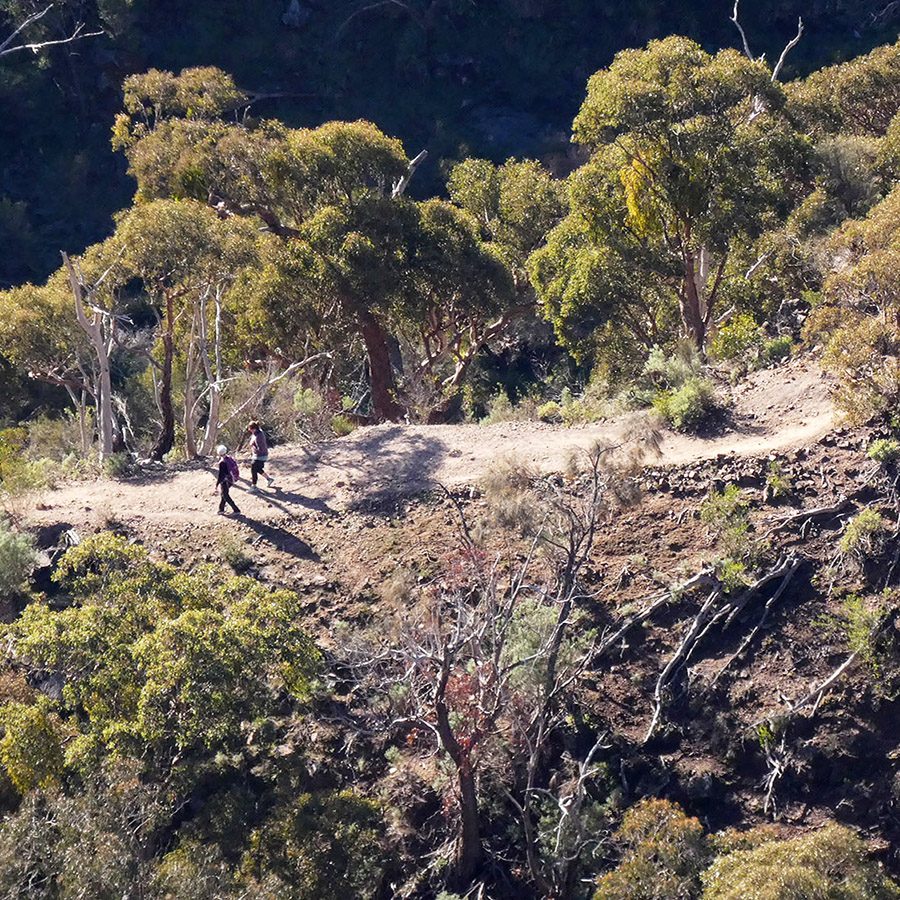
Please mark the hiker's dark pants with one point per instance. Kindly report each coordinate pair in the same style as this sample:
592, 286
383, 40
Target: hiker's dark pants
226, 498
256, 469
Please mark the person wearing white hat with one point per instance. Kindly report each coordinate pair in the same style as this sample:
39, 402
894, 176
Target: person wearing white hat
228, 475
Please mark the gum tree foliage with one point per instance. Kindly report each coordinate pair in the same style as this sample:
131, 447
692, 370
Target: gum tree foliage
159, 665
664, 852
179, 253
691, 154
359, 260
168, 257
859, 322
828, 863
858, 97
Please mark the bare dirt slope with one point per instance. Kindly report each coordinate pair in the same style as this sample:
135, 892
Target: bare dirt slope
773, 410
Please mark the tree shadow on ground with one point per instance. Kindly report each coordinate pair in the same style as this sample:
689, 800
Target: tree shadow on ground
281, 539
377, 468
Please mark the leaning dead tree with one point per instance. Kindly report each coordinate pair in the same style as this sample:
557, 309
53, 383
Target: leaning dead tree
15, 42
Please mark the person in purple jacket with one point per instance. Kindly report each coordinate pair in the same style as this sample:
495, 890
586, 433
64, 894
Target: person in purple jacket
226, 479
259, 455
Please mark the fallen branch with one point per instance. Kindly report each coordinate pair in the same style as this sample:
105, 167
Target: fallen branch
777, 758
806, 515
787, 571
711, 613
704, 578
814, 696
695, 631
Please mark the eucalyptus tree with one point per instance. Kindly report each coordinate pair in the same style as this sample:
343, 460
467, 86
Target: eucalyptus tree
690, 154
357, 256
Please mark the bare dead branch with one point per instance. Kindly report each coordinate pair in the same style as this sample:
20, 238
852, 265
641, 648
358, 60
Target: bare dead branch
78, 34
402, 183
737, 24
787, 49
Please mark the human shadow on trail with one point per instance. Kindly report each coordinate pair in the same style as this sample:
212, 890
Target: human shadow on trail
379, 467
281, 539
278, 497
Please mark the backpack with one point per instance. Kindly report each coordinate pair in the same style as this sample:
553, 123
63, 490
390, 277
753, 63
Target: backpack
234, 472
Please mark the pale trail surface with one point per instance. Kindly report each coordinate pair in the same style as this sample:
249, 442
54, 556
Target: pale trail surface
776, 409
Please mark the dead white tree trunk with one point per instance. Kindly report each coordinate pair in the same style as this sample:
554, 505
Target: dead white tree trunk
213, 369
191, 364
100, 343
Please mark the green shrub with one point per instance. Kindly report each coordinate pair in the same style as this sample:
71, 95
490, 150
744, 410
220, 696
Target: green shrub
777, 349
17, 559
830, 864
864, 535
665, 852
308, 402
325, 845
732, 573
778, 485
500, 409
884, 451
118, 465
689, 406
550, 412
736, 339
54, 438
727, 515
342, 426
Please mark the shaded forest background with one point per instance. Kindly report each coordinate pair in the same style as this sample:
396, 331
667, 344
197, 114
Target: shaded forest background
456, 77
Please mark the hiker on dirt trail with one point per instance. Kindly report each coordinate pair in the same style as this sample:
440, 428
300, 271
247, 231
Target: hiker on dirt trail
259, 455
228, 475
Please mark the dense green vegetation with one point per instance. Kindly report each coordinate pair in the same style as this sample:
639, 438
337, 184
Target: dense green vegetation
248, 227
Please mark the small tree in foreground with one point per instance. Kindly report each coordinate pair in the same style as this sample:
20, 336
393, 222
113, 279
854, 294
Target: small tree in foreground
480, 664
665, 852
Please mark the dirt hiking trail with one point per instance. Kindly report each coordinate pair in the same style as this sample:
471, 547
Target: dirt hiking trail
775, 409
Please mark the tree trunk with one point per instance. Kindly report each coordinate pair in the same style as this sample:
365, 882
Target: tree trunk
189, 422
469, 850
93, 328
691, 304
381, 371
166, 439
213, 376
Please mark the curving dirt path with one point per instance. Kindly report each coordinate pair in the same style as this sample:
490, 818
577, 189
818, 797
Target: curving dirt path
773, 410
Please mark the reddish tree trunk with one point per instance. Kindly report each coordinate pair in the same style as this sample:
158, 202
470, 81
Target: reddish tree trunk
381, 372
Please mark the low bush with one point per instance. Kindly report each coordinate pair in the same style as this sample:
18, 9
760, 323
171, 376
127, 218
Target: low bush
727, 515
864, 535
341, 425
118, 465
778, 484
17, 559
777, 349
884, 451
687, 407
665, 853
737, 338
830, 863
